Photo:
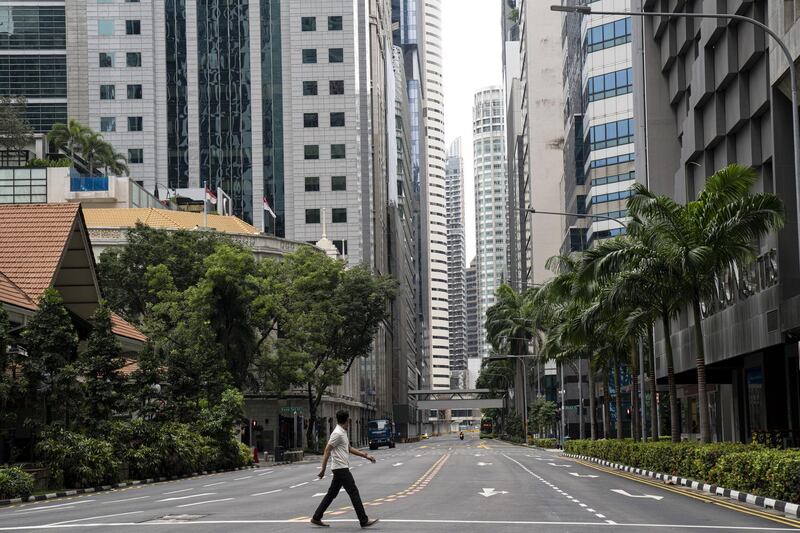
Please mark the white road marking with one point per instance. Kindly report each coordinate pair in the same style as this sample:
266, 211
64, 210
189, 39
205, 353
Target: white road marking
265, 473
591, 476
607, 524
241, 478
562, 466
491, 492
215, 484
398, 464
205, 502
484, 464
265, 493
92, 518
51, 507
127, 499
176, 498
178, 491
317, 495
626, 493
299, 485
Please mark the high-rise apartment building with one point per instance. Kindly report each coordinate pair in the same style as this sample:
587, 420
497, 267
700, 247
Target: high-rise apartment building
438, 327
710, 93
491, 199
598, 123
474, 328
33, 59
456, 265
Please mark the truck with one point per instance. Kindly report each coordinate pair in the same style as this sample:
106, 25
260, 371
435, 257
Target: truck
380, 433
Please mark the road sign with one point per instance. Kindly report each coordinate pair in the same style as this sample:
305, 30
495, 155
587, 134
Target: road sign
625, 493
491, 492
290, 410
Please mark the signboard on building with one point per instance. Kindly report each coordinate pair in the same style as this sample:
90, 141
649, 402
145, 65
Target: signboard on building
292, 410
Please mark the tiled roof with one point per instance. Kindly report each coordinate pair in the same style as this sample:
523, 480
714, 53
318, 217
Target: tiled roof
13, 295
163, 218
32, 240
125, 329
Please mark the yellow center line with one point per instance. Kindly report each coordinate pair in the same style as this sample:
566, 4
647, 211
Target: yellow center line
727, 504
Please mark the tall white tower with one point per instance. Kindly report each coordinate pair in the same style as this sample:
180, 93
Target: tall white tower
491, 199
438, 323
456, 266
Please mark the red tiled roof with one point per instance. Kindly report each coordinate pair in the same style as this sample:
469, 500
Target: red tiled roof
32, 241
125, 329
13, 295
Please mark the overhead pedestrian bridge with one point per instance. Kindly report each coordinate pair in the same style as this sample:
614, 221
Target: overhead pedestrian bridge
459, 399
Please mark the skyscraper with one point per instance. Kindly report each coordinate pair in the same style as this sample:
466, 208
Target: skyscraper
438, 327
456, 265
491, 199
474, 328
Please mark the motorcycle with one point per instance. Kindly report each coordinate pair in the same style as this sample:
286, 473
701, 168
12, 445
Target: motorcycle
461, 435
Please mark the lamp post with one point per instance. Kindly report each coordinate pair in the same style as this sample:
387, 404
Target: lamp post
587, 10
577, 215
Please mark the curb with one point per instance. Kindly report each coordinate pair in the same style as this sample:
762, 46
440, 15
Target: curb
102, 488
790, 509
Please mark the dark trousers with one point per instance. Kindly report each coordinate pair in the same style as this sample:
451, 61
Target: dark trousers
342, 478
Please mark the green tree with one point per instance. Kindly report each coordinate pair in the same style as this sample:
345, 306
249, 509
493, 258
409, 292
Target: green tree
145, 395
16, 132
704, 238
100, 364
49, 369
542, 415
68, 137
92, 147
112, 161
123, 271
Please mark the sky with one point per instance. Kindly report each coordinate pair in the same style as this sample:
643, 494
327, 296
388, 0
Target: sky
472, 60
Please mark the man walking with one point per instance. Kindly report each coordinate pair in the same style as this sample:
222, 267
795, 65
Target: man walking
338, 449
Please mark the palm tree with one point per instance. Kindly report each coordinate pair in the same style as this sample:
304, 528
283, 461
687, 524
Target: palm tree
112, 161
704, 238
68, 137
92, 147
508, 328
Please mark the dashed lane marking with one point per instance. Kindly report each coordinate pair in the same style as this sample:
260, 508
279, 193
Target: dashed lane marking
205, 502
28, 510
265, 493
242, 478
178, 491
215, 484
126, 500
93, 518
299, 485
176, 498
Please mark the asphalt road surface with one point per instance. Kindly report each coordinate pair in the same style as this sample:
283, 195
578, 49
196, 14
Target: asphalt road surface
438, 485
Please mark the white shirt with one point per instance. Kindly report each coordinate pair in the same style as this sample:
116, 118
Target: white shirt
340, 448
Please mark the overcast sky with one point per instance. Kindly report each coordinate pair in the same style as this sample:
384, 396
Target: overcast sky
472, 60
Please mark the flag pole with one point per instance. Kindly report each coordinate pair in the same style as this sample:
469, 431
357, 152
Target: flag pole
205, 204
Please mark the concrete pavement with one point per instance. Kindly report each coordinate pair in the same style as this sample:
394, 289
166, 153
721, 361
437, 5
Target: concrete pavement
437, 485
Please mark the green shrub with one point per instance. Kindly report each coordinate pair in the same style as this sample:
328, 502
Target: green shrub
48, 163
15, 483
745, 467
543, 443
77, 460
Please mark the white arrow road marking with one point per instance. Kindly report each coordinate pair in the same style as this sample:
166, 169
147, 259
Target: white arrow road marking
484, 464
625, 493
491, 492
187, 497
203, 503
562, 466
398, 464
582, 475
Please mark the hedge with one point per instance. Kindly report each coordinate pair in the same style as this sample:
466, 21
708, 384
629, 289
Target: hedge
743, 467
14, 483
543, 443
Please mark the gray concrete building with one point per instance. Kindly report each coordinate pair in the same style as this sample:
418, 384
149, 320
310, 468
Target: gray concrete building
456, 266
474, 328
714, 93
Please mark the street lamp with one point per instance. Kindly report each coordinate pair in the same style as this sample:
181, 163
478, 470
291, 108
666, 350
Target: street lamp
587, 10
578, 215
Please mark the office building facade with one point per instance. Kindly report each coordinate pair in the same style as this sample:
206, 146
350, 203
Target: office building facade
456, 266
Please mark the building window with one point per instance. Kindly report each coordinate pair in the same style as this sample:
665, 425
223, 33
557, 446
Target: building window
135, 124
310, 120
312, 216
608, 35
339, 215
309, 55
105, 27
108, 124
334, 23
308, 24
135, 156
337, 151
107, 92
309, 88
106, 59
338, 183
336, 87
133, 59
133, 27
312, 183
337, 120
611, 134
610, 197
335, 55
609, 85
311, 151
134, 92
341, 246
